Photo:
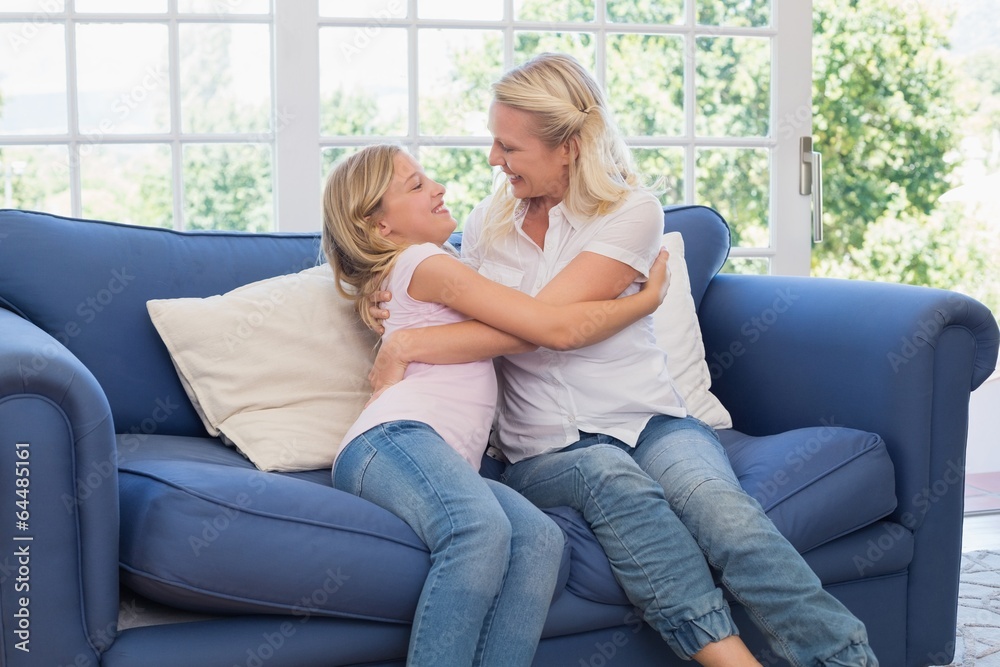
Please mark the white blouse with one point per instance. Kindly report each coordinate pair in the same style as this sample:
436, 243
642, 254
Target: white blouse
613, 387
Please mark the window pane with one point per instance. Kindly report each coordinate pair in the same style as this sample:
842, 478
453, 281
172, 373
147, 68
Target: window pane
330, 156
663, 169
225, 78
124, 81
754, 266
228, 186
224, 6
32, 78
128, 183
580, 45
744, 13
554, 10
465, 174
456, 69
121, 6
52, 7
35, 178
365, 9
352, 101
480, 10
736, 182
644, 11
640, 108
733, 86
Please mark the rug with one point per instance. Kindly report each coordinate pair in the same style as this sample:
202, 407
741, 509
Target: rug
977, 641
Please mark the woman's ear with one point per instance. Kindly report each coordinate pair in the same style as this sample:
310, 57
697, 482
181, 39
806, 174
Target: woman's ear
571, 149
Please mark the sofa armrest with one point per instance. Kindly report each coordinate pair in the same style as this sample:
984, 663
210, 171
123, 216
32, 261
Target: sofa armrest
896, 360
58, 504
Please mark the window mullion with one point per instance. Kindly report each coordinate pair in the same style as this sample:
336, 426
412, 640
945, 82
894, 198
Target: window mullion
176, 147
73, 115
296, 120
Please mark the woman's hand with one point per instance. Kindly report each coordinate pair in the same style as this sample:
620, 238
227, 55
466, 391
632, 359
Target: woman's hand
378, 312
390, 364
658, 282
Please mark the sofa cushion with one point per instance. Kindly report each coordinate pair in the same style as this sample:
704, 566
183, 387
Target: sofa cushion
679, 335
278, 368
815, 483
87, 283
203, 530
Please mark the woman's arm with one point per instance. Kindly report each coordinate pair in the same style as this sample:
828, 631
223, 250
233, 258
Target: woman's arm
457, 343
558, 326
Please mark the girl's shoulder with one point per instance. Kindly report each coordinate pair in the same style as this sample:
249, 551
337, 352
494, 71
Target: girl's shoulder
411, 256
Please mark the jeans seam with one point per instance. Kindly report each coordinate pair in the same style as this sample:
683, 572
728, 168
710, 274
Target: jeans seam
416, 468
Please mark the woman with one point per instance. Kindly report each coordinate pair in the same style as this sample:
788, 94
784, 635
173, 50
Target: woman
416, 448
571, 223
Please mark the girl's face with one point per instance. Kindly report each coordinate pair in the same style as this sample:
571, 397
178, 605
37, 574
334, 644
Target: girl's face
413, 209
533, 168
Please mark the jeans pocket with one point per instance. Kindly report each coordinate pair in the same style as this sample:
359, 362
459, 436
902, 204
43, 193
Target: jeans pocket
351, 464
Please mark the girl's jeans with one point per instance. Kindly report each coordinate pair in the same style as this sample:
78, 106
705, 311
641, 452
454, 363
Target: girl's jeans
668, 510
494, 556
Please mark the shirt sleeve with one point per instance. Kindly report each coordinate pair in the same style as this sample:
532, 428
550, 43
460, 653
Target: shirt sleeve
472, 254
633, 234
406, 264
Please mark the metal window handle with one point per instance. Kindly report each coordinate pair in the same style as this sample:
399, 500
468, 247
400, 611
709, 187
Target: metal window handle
811, 183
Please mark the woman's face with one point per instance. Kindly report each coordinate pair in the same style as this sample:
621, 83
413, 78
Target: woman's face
534, 169
413, 207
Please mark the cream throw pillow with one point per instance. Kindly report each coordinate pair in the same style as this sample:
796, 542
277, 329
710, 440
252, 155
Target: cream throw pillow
277, 368
679, 334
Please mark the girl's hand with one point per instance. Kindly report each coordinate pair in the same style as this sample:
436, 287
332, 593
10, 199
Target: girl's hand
659, 279
378, 312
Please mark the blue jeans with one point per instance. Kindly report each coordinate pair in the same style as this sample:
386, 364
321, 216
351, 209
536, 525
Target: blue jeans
494, 556
671, 508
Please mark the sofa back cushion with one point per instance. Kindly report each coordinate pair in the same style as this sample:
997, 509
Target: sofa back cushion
87, 282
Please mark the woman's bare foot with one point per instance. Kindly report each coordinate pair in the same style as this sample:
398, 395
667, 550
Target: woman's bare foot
729, 652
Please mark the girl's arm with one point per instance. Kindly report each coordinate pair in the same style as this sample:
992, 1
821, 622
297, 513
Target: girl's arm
558, 326
588, 277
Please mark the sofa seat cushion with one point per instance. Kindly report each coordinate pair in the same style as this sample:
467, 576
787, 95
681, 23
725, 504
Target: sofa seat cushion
815, 483
203, 530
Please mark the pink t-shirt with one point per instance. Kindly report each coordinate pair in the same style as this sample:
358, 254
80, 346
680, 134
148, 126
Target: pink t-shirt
456, 400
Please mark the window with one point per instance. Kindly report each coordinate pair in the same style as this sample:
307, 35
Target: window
148, 112
226, 114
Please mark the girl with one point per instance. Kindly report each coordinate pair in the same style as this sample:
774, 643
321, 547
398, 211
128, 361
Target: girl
416, 448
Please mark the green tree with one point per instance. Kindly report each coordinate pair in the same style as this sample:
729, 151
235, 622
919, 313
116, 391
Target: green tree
884, 119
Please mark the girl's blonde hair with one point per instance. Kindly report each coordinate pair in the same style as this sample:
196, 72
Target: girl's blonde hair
352, 205
568, 106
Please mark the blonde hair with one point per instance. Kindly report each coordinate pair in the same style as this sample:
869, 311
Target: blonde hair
360, 256
568, 106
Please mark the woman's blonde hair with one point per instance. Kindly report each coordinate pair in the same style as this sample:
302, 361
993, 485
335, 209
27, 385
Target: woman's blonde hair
352, 205
568, 106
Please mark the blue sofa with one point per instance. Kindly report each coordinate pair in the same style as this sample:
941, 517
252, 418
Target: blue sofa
129, 537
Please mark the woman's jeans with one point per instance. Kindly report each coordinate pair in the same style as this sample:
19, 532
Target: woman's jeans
668, 510
494, 556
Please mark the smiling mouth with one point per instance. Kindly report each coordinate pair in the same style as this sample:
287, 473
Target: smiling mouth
440, 208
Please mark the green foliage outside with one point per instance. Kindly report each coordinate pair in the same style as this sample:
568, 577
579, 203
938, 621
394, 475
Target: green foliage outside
891, 108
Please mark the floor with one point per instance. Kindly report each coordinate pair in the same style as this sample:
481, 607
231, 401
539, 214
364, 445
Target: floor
982, 511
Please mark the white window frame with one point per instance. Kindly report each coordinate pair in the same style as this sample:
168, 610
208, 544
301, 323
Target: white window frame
295, 121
